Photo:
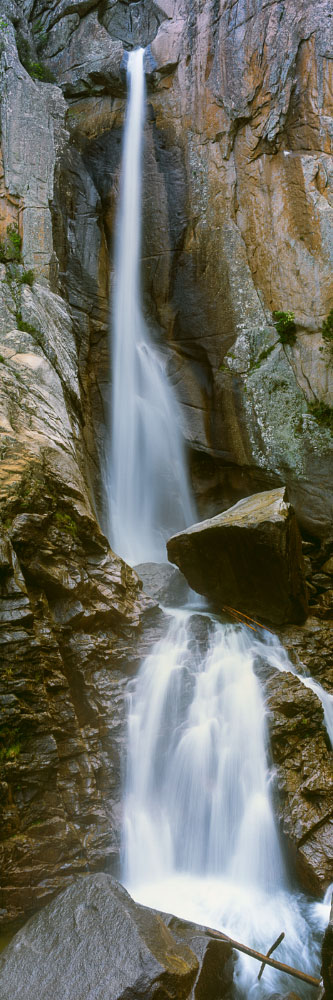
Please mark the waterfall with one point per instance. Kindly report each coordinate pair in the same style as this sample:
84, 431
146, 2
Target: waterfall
200, 838
147, 489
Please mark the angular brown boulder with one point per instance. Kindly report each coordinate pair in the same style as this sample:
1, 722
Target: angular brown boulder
249, 557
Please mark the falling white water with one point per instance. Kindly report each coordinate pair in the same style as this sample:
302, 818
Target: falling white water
199, 833
147, 488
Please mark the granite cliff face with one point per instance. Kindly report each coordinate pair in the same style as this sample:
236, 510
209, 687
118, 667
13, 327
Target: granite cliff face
237, 215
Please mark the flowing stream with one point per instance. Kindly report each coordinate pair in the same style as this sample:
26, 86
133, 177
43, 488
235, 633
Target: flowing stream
200, 839
148, 492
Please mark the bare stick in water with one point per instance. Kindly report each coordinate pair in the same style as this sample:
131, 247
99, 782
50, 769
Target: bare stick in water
270, 950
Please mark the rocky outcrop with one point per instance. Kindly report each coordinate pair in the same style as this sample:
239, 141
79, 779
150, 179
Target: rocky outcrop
249, 558
93, 941
302, 758
72, 613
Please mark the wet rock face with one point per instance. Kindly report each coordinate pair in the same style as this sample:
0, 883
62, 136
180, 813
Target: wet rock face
71, 626
248, 558
327, 959
102, 944
303, 766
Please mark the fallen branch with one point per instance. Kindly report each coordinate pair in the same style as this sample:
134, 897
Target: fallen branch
264, 959
240, 616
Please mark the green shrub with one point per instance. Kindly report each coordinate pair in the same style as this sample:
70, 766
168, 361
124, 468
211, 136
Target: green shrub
40, 72
23, 325
36, 69
27, 278
323, 413
10, 753
10, 246
286, 327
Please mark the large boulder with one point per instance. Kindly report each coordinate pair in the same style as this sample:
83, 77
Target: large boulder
95, 943
249, 558
163, 583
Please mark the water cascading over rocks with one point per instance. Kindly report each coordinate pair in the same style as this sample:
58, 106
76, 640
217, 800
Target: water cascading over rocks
147, 486
200, 837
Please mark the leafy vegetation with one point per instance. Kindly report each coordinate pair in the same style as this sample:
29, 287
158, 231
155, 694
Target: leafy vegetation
10, 753
23, 325
10, 246
40, 72
36, 70
286, 327
66, 522
27, 278
323, 414
10, 741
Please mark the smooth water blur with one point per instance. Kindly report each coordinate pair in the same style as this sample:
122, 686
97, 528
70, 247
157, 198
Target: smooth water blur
147, 486
199, 833
200, 838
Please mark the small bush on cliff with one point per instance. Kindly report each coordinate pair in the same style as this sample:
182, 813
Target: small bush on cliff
40, 72
286, 327
323, 414
10, 246
27, 278
23, 325
35, 69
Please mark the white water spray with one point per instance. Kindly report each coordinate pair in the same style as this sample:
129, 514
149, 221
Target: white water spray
148, 493
199, 833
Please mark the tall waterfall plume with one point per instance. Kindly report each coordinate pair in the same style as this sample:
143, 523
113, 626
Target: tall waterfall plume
148, 493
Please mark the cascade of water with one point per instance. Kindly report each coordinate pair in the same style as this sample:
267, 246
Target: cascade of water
199, 834
147, 488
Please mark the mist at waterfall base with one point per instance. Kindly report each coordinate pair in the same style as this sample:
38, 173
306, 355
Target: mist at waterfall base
200, 838
147, 489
